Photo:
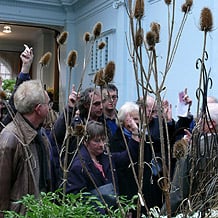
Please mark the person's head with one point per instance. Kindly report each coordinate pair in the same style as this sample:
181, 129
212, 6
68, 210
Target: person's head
85, 103
30, 99
129, 109
109, 97
212, 119
148, 104
96, 138
212, 99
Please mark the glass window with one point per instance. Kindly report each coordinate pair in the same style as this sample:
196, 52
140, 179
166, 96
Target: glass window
4, 72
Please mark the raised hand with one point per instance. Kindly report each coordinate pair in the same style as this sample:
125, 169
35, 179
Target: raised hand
167, 110
27, 59
73, 97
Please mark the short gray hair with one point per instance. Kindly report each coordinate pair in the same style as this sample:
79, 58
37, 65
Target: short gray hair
28, 95
95, 129
126, 108
213, 111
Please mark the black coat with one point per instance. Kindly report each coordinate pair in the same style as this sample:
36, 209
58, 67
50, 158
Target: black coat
152, 193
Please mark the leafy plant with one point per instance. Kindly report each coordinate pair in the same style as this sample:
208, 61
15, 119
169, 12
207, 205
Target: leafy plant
73, 205
8, 86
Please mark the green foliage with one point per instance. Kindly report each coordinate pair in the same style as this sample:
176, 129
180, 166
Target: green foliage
73, 205
8, 85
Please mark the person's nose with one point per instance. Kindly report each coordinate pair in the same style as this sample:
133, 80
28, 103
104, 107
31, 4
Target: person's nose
101, 105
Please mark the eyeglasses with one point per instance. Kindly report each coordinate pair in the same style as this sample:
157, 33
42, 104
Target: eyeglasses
97, 103
107, 97
50, 104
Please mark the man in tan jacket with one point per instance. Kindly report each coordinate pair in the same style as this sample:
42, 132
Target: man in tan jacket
24, 148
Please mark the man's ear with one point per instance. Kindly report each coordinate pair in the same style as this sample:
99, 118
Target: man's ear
37, 108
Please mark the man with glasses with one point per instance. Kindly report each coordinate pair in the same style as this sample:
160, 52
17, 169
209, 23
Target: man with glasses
109, 100
24, 149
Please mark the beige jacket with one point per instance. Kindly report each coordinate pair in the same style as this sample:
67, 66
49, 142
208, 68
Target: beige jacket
19, 164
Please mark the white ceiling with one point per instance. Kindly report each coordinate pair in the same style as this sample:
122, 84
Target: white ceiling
19, 33
27, 33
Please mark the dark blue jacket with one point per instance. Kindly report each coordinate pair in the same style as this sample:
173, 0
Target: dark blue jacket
78, 179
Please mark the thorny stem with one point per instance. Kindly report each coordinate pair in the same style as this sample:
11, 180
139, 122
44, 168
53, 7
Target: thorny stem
171, 53
134, 45
160, 121
67, 137
85, 64
171, 28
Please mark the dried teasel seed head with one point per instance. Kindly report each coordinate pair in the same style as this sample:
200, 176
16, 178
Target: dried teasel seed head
109, 72
186, 7
3, 95
139, 9
206, 20
189, 3
87, 37
155, 27
97, 29
44, 60
151, 40
71, 59
99, 78
139, 38
62, 38
168, 2
101, 45
180, 149
79, 130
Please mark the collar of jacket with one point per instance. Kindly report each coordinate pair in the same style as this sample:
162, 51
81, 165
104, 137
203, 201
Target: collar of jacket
24, 131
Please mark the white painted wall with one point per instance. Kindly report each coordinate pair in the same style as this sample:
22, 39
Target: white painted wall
183, 73
82, 18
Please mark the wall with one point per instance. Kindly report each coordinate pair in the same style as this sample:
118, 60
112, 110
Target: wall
81, 17
183, 73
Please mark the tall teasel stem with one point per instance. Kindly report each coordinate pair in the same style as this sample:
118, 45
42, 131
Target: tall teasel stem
44, 61
96, 32
61, 40
71, 62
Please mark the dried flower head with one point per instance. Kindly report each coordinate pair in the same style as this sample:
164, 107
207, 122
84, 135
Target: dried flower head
101, 45
139, 38
109, 72
155, 27
97, 29
3, 95
180, 149
98, 79
206, 20
189, 3
139, 9
44, 60
87, 37
151, 39
168, 2
62, 38
79, 130
71, 59
186, 7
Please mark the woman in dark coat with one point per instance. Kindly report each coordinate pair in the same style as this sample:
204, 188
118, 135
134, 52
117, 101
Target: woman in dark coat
91, 166
152, 193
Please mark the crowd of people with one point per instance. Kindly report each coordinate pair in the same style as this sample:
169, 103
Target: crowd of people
105, 159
